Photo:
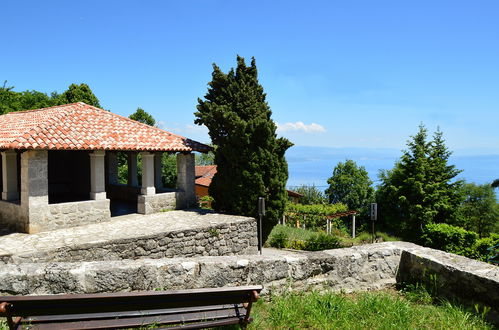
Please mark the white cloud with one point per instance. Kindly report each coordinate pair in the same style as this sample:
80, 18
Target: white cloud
300, 126
197, 128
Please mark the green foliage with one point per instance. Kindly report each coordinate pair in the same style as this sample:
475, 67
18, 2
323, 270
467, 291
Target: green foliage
311, 195
79, 93
143, 117
318, 209
278, 240
249, 157
449, 238
315, 216
350, 185
322, 241
495, 183
482, 249
419, 190
366, 310
169, 170
203, 159
27, 100
479, 211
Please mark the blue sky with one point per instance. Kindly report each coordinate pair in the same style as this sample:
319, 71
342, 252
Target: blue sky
337, 73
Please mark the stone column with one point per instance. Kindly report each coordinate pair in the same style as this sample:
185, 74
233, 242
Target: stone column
97, 175
132, 169
34, 190
9, 176
158, 179
112, 164
147, 174
185, 180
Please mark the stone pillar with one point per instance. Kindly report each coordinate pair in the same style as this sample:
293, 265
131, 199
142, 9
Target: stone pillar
97, 175
34, 190
185, 180
158, 179
9, 176
112, 164
132, 169
147, 174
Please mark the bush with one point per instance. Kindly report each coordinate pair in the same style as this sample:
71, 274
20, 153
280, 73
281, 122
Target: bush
322, 241
278, 240
481, 247
449, 238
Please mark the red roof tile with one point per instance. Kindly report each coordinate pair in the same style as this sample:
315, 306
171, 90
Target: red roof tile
204, 174
80, 126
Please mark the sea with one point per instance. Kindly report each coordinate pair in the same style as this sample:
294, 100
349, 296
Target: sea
314, 165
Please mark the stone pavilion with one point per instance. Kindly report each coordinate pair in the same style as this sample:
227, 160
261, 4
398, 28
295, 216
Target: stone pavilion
60, 167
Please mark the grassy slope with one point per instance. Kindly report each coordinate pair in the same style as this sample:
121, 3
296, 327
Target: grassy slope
373, 310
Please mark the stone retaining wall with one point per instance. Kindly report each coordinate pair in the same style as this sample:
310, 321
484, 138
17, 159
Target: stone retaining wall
451, 276
363, 268
74, 214
367, 267
148, 204
12, 216
238, 236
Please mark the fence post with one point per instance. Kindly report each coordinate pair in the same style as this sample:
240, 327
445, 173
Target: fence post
353, 225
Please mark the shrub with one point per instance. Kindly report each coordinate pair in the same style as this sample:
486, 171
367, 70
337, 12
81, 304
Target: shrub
449, 238
322, 241
481, 247
278, 240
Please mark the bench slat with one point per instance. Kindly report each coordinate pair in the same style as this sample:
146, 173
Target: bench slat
138, 313
118, 302
117, 323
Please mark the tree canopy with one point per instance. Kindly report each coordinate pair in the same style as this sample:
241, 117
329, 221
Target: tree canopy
311, 195
143, 117
421, 188
11, 100
479, 211
79, 93
249, 157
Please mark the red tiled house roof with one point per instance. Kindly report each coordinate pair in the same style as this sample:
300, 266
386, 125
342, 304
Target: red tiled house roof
204, 174
79, 126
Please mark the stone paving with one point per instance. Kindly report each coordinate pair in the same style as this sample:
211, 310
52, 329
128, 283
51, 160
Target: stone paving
166, 234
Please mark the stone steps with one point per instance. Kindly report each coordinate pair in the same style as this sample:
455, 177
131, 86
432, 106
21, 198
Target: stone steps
161, 235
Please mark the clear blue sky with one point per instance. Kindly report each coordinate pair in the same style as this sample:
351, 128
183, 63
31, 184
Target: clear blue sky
337, 73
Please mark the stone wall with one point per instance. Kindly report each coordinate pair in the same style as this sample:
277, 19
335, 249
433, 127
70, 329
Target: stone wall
363, 268
367, 267
74, 214
236, 236
148, 204
452, 276
12, 216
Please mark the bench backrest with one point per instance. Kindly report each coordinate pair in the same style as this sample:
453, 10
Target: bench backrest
98, 305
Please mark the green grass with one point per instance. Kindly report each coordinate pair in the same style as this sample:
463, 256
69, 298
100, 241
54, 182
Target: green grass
368, 310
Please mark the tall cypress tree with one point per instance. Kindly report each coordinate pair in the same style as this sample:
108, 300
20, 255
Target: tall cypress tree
249, 157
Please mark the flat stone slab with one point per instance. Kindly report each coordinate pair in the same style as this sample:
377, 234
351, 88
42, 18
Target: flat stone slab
159, 235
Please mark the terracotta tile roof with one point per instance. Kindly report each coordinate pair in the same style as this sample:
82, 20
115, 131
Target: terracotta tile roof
79, 126
204, 174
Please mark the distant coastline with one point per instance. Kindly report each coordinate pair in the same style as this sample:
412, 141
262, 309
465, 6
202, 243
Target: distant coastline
314, 165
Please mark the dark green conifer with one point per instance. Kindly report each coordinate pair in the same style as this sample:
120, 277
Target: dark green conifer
249, 157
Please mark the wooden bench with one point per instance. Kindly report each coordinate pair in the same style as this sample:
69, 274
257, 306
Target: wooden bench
185, 309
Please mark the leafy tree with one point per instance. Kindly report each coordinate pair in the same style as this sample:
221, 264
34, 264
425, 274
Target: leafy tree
249, 157
350, 185
479, 211
79, 93
311, 195
420, 189
168, 161
143, 117
203, 159
495, 184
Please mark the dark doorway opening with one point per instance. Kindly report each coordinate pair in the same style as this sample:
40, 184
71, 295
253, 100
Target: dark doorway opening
68, 176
